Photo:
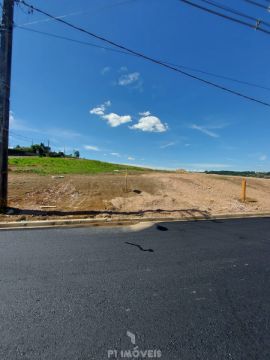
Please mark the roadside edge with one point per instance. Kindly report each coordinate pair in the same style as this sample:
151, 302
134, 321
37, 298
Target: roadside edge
118, 222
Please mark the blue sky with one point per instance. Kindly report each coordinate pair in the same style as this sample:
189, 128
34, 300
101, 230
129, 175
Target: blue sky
120, 108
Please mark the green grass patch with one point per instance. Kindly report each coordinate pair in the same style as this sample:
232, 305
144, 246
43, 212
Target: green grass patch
57, 166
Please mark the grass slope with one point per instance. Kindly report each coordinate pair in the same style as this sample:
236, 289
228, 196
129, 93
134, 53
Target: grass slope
45, 165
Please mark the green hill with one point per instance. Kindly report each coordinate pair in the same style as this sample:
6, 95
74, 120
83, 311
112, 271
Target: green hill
46, 165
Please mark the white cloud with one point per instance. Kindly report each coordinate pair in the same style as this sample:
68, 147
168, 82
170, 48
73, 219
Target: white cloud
58, 136
263, 157
149, 166
205, 166
18, 124
91, 147
127, 79
211, 165
115, 120
150, 123
167, 145
115, 154
131, 158
105, 70
100, 109
145, 113
62, 133
204, 130
48, 20
123, 69
65, 149
11, 120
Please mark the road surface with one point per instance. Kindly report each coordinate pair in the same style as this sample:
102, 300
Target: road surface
186, 290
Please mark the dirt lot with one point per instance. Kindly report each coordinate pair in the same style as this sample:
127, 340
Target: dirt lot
149, 195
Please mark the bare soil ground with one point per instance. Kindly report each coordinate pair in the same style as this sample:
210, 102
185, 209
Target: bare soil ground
149, 195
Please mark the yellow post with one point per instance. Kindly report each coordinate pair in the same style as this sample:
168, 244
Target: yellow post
244, 190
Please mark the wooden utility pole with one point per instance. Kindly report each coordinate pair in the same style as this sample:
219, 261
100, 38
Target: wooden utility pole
6, 32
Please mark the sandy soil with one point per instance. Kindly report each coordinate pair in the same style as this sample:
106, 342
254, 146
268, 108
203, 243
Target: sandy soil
149, 195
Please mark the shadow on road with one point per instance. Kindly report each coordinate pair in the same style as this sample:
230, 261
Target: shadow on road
192, 214
139, 247
162, 228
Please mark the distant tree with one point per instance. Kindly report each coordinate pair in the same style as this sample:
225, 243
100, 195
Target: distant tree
76, 154
56, 154
41, 149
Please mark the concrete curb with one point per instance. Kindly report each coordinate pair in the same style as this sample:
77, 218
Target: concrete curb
118, 222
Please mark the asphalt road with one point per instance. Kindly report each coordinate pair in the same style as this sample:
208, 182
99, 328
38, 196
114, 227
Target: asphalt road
198, 290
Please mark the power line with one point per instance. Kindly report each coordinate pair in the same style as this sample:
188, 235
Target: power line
145, 57
19, 135
70, 39
126, 53
227, 17
15, 135
258, 4
235, 12
18, 139
21, 8
223, 77
104, 7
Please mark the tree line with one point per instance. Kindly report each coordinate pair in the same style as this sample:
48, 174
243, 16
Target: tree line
41, 150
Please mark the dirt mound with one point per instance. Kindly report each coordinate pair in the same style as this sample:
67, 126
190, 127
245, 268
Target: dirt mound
148, 195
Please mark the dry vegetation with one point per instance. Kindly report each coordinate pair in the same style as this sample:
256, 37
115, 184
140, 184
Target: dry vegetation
149, 195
